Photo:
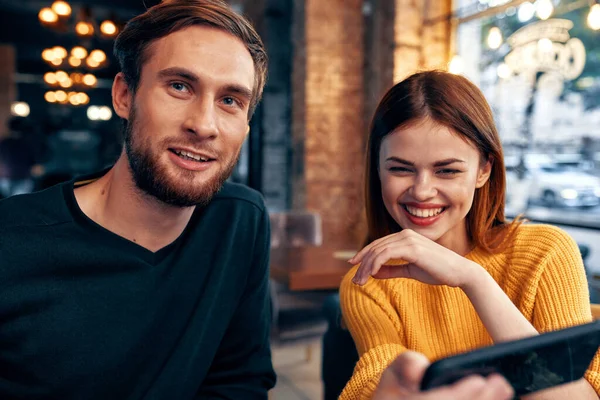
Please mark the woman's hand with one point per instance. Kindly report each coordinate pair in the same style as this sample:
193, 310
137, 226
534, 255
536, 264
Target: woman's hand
427, 261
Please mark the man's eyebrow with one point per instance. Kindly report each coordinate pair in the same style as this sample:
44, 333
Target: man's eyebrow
178, 72
239, 90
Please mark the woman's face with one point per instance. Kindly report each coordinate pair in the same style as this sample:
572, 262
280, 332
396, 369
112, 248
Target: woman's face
428, 179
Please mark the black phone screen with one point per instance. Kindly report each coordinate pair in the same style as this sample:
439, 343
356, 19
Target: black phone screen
529, 365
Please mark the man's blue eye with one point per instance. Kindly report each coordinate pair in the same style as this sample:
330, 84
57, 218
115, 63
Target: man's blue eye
178, 86
229, 101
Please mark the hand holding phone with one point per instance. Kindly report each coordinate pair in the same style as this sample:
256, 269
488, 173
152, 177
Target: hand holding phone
530, 364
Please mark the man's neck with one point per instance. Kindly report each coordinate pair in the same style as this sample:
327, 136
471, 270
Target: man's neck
114, 202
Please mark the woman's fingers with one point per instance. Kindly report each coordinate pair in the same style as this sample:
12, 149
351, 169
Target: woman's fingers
375, 259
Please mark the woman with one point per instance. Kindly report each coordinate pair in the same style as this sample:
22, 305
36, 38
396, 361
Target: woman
435, 187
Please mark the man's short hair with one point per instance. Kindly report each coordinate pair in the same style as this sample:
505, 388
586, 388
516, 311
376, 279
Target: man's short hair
131, 46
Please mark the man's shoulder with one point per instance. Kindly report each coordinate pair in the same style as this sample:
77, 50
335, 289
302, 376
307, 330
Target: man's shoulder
38, 208
240, 194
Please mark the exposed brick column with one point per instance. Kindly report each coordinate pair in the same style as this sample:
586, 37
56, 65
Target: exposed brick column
328, 121
379, 53
8, 87
420, 44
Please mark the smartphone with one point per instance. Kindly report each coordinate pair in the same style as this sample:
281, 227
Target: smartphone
530, 364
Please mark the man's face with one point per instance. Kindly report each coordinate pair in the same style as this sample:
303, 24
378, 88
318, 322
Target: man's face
188, 119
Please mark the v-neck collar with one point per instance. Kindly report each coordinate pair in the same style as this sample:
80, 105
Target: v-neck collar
119, 241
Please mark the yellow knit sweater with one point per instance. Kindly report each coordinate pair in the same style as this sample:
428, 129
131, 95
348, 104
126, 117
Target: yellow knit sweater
541, 271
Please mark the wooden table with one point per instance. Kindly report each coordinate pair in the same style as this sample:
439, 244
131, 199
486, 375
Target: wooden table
310, 268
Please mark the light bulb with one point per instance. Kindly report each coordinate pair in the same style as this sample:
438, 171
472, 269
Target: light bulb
108, 28
59, 52
19, 109
89, 79
456, 65
98, 56
494, 39
48, 55
61, 96
84, 28
593, 18
61, 76
50, 97
504, 71
79, 52
47, 15
544, 9
50, 78
74, 61
61, 8
526, 12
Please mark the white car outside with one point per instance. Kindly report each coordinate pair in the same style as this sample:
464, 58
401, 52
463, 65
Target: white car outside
555, 185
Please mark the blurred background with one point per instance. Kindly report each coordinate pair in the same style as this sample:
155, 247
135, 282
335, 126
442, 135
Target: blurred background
537, 62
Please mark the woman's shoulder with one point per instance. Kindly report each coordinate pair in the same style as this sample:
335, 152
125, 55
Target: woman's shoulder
541, 238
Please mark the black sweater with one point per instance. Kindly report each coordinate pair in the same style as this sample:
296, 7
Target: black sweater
87, 314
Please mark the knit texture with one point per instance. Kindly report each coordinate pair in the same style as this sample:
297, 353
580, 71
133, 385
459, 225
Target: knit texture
541, 271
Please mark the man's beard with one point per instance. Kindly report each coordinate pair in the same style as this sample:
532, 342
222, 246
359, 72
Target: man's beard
153, 178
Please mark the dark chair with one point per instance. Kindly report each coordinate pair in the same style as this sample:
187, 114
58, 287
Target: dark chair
339, 354
296, 315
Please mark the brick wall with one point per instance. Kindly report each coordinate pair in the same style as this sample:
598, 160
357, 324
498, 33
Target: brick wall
7, 85
420, 44
328, 121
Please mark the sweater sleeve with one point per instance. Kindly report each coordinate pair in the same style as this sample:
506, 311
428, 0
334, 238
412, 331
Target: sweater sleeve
376, 330
562, 297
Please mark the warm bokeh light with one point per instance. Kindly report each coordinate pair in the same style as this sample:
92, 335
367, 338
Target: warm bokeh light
76, 77
79, 52
456, 65
593, 18
50, 97
83, 98
108, 28
91, 62
67, 83
61, 8
73, 98
48, 55
47, 15
526, 12
50, 78
504, 71
19, 109
98, 55
56, 61
61, 76
89, 79
494, 39
544, 9
74, 61
84, 28
96, 113
59, 52
61, 96
105, 113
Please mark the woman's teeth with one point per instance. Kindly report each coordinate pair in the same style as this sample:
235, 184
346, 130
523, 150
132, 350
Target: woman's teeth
423, 212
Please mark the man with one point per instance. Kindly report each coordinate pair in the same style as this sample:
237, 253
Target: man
149, 280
